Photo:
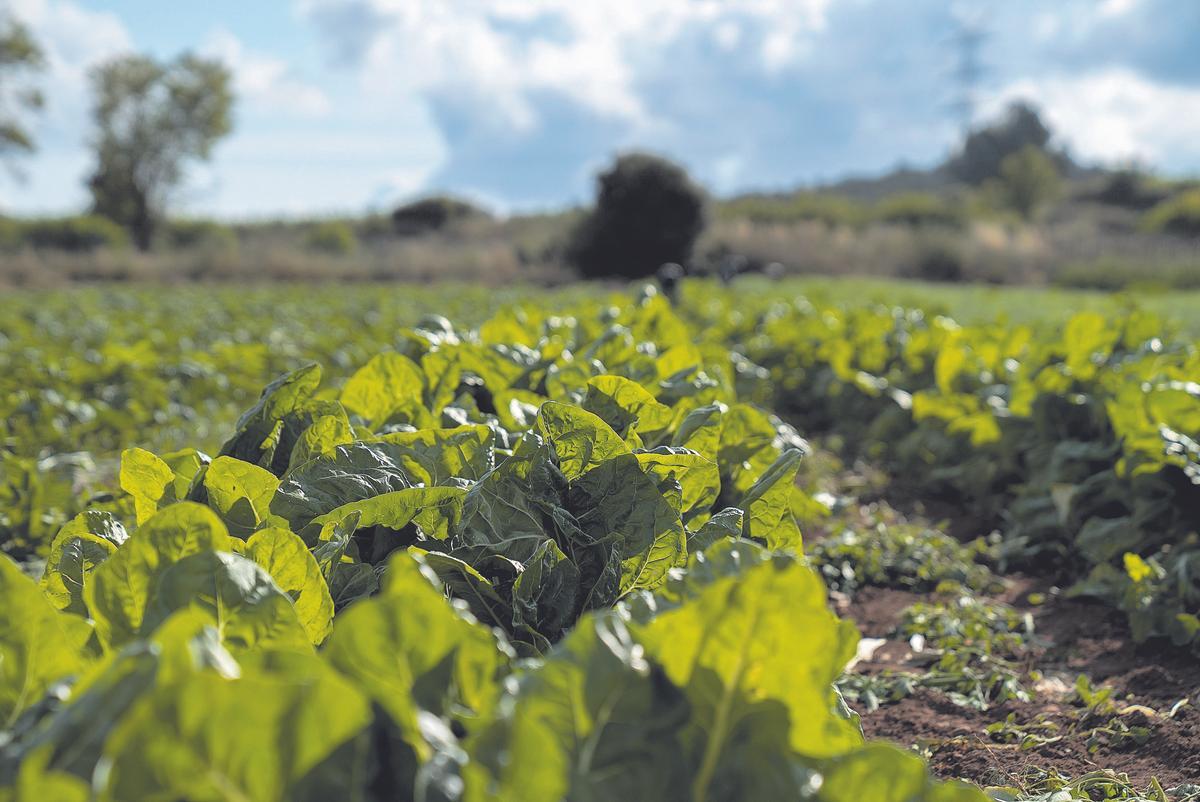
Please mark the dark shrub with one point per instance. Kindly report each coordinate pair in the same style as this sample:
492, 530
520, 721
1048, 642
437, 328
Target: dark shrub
936, 259
432, 214
648, 212
985, 148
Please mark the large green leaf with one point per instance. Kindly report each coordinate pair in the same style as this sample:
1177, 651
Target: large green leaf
616, 503
38, 644
580, 440
267, 432
545, 595
511, 510
593, 723
698, 478
434, 510
148, 479
768, 504
437, 456
626, 406
465, 583
883, 773
83, 543
209, 738
122, 585
294, 569
755, 650
377, 388
747, 447
320, 439
246, 606
241, 494
353, 472
411, 650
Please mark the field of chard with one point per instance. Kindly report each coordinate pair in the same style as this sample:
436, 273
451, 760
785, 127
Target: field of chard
379, 543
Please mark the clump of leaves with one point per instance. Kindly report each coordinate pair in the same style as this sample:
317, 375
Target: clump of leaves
905, 556
972, 648
1050, 786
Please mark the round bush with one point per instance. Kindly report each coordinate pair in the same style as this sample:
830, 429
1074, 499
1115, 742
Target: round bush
334, 237
648, 212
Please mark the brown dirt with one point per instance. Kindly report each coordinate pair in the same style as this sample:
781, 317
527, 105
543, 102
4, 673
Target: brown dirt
1073, 637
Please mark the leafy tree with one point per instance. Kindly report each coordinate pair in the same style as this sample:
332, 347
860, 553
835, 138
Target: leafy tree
152, 118
985, 149
20, 59
1028, 180
648, 212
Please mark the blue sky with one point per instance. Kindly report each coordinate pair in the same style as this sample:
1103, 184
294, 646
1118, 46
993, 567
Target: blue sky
346, 105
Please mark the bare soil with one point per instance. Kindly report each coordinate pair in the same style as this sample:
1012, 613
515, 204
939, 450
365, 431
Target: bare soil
1073, 637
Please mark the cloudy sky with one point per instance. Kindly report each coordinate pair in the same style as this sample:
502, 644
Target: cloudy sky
345, 105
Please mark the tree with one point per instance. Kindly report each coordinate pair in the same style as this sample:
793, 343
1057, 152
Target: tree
985, 148
20, 60
648, 212
152, 118
1028, 179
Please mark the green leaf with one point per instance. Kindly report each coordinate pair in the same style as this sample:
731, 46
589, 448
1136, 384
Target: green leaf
121, 586
36, 782
508, 512
294, 569
747, 447
241, 494
381, 385
353, 472
83, 543
768, 504
410, 649
616, 503
735, 644
246, 606
698, 478
626, 406
580, 440
467, 584
435, 511
319, 439
148, 479
545, 594
38, 644
591, 723
267, 432
700, 430
728, 523
436, 456
206, 737
883, 773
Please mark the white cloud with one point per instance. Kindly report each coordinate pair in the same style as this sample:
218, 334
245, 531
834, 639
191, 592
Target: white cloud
500, 55
265, 82
1116, 115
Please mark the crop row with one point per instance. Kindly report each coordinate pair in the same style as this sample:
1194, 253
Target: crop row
551, 559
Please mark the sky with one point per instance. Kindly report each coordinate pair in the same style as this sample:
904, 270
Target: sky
345, 106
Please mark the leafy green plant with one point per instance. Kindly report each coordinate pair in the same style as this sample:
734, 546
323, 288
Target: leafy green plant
904, 556
481, 568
